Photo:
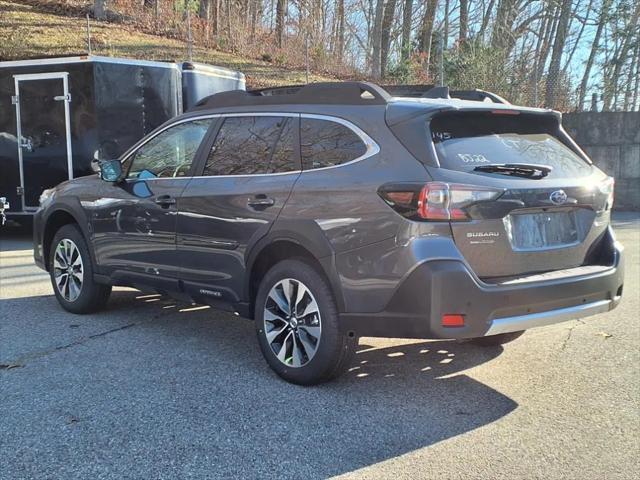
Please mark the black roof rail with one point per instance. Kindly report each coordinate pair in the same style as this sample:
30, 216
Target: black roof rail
431, 91
407, 89
475, 95
478, 96
341, 93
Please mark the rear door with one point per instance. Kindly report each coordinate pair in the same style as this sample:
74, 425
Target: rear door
246, 177
43, 136
135, 223
541, 222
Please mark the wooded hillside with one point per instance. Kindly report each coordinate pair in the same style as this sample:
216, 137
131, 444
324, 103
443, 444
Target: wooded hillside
555, 53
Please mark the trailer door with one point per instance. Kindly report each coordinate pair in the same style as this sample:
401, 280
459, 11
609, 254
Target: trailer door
44, 140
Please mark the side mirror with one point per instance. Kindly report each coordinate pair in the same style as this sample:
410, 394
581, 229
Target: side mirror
110, 170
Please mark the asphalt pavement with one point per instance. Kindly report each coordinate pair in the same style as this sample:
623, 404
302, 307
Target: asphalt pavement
154, 389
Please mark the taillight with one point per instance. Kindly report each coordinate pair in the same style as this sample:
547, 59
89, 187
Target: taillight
436, 201
607, 188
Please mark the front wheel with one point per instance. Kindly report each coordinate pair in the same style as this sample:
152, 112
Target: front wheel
71, 273
297, 324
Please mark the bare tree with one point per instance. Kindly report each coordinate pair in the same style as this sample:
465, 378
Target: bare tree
376, 40
426, 30
385, 40
340, 30
602, 20
280, 11
464, 21
407, 16
556, 54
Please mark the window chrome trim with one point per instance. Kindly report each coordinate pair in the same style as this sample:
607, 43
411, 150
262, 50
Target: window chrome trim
372, 146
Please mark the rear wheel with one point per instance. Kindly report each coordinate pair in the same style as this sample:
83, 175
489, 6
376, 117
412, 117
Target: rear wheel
297, 325
494, 340
71, 273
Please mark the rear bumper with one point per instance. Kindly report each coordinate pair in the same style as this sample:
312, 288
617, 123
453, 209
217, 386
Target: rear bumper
439, 287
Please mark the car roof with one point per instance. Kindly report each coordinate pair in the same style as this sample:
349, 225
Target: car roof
347, 98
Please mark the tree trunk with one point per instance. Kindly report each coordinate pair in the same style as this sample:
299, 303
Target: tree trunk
502, 36
280, 7
464, 21
340, 30
376, 40
387, 22
407, 15
426, 29
553, 76
594, 51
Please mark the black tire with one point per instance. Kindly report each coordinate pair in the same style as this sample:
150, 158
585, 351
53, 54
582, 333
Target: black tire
92, 296
335, 348
495, 340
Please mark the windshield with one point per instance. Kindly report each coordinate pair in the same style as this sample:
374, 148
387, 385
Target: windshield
464, 141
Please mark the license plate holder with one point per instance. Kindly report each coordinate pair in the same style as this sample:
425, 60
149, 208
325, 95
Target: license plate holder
542, 230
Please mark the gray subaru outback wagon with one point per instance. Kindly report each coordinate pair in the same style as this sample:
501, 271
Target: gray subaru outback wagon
336, 210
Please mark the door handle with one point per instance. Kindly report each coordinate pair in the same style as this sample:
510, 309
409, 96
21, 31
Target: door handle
261, 201
165, 200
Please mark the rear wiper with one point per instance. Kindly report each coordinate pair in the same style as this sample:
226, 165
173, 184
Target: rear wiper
516, 169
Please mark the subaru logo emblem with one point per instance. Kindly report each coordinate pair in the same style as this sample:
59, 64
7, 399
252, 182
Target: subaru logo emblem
558, 197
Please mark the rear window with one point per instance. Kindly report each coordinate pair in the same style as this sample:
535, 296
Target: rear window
464, 141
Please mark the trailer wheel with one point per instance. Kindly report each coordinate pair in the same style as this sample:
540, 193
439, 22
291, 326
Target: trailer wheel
71, 273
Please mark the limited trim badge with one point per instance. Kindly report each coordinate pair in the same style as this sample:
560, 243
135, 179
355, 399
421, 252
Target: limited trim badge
559, 197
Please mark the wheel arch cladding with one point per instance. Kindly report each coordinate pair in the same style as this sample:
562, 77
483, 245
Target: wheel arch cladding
55, 221
281, 248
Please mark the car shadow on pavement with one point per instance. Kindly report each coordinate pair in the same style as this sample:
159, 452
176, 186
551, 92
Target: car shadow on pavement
166, 389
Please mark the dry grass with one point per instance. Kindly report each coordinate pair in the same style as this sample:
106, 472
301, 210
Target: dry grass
26, 31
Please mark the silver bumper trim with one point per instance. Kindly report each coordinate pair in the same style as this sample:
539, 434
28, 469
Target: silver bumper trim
525, 322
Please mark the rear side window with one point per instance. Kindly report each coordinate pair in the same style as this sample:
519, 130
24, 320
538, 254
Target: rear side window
253, 145
324, 143
464, 141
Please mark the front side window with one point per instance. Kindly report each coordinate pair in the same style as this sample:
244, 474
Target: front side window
324, 143
253, 145
170, 153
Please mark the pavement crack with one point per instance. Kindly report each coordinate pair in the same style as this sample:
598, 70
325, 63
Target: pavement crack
566, 340
570, 332
21, 362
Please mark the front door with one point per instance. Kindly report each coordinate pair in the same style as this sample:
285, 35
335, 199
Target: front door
44, 141
135, 220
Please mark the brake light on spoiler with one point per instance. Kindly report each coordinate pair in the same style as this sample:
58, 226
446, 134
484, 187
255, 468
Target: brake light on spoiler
436, 201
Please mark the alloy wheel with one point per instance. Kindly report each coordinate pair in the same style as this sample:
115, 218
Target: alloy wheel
68, 269
292, 322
